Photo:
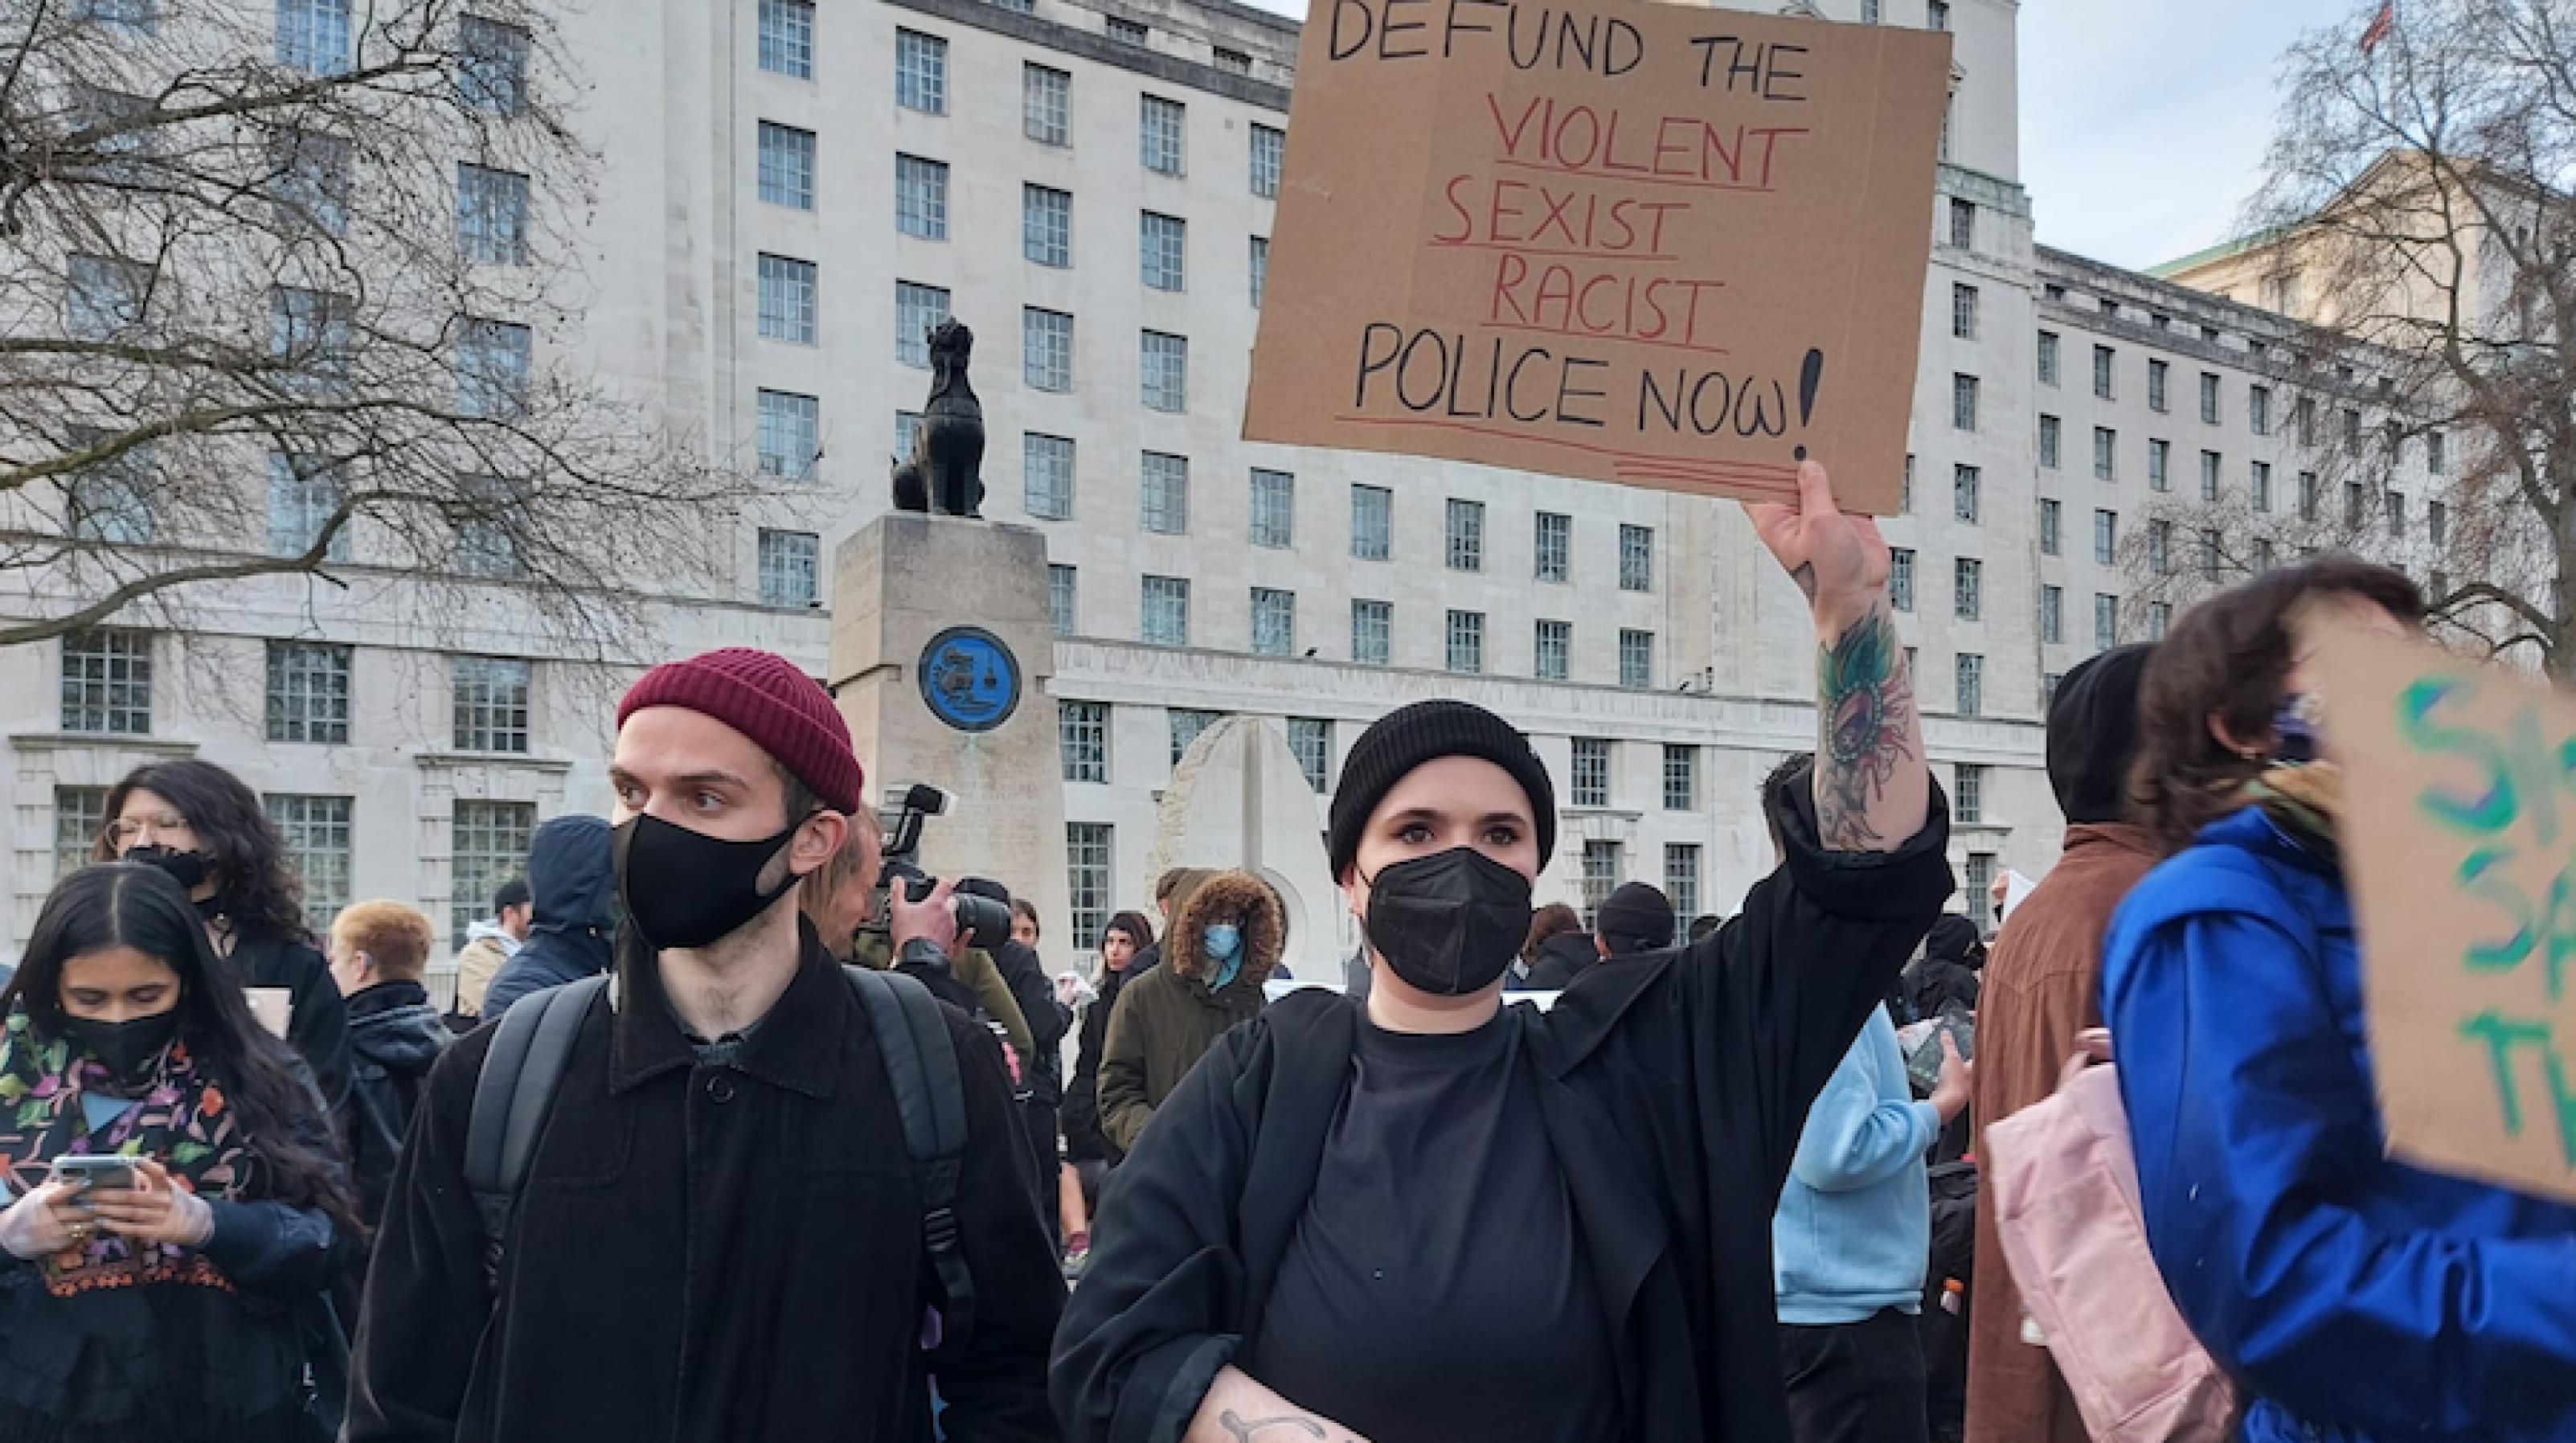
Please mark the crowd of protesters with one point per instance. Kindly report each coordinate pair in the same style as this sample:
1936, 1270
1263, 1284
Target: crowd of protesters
721, 1137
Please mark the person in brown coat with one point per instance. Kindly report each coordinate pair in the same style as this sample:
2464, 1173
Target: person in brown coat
1223, 943
2040, 990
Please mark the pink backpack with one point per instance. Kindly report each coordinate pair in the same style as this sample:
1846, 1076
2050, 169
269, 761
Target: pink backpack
2063, 1186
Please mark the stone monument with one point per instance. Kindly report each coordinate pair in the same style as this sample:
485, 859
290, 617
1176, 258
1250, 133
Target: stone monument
1238, 799
942, 646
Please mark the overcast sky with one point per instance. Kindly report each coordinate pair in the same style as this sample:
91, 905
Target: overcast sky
2142, 126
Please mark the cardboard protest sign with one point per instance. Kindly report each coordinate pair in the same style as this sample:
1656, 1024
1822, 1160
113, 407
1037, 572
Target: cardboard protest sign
2459, 839
1655, 244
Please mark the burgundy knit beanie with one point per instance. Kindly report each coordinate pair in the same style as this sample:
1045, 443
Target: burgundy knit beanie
763, 696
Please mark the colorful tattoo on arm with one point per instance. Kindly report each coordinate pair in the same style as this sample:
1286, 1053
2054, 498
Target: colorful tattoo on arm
1864, 703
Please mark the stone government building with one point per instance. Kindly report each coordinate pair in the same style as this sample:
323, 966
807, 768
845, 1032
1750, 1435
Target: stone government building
792, 191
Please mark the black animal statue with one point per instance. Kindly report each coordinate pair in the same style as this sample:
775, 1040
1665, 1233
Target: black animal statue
943, 474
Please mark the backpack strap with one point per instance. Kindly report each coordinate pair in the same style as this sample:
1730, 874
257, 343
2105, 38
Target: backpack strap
921, 1070
512, 1095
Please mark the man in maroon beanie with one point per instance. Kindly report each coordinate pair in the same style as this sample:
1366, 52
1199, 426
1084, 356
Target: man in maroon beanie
720, 1234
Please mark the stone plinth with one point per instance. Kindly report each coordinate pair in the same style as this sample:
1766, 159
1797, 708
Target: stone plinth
900, 583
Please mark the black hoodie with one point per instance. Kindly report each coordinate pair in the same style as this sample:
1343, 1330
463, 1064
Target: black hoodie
573, 888
394, 1035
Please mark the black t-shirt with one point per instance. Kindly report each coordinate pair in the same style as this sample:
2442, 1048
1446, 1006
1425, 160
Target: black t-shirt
1435, 1289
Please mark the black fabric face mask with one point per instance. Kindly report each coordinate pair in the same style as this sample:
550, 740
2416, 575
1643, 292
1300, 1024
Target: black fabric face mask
188, 869
1450, 923
126, 1049
687, 889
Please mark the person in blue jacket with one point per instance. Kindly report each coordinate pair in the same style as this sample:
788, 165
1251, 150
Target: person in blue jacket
2352, 1297
574, 889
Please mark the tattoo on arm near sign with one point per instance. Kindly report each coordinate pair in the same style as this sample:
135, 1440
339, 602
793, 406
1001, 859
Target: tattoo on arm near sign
1869, 735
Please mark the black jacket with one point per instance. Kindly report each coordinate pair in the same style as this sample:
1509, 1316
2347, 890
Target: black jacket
394, 1036
1561, 959
708, 1251
317, 1024
573, 891
1083, 1139
1673, 1089
1026, 976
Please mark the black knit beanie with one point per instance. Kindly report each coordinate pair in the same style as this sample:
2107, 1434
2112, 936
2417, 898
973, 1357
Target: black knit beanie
1636, 912
1425, 732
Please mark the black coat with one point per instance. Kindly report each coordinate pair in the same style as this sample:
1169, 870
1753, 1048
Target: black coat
394, 1036
708, 1252
1083, 1139
1026, 976
1673, 1089
1561, 959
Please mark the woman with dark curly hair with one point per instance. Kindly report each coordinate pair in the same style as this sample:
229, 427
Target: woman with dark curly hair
200, 824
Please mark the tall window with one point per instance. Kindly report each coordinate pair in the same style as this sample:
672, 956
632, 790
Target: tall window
2102, 361
308, 692
1900, 578
1963, 312
921, 72
2437, 522
1166, 494
1372, 631
1636, 659
790, 434
2159, 465
107, 682
2106, 451
1372, 522
2106, 621
1046, 349
1088, 852
1636, 558
1061, 616
1046, 476
104, 298
1163, 251
2258, 410
1963, 402
492, 368
2208, 555
2049, 522
1968, 799
1046, 225
2159, 619
2051, 441
1964, 486
790, 568
918, 310
1681, 884
1967, 587
1274, 509
2160, 547
1159, 134
2352, 433
310, 335
313, 35
1591, 772
304, 497
487, 542
1972, 684
921, 197
1260, 268
1268, 146
2210, 465
2262, 486
490, 704
80, 814
2308, 495
787, 38
1311, 738
111, 500
1981, 889
1552, 541
2209, 398
316, 833
1164, 371
1601, 869
1937, 14
311, 179
2304, 419
491, 65
1274, 622
1553, 651
487, 845
1167, 611
1046, 104
1963, 221
2106, 536
2352, 505
1467, 641
2052, 614
787, 299
2262, 555
787, 166
1082, 734
1186, 726
1466, 535
2048, 348
1681, 777
2437, 453
2395, 504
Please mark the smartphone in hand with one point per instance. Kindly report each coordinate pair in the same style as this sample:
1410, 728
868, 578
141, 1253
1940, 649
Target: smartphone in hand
98, 1170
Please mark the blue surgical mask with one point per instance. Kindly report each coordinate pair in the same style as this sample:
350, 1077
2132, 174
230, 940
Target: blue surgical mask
1224, 943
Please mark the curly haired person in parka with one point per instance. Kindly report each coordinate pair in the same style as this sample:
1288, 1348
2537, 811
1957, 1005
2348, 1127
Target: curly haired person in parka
1223, 944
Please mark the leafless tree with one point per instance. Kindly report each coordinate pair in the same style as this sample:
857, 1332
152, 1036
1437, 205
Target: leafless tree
289, 288
2420, 208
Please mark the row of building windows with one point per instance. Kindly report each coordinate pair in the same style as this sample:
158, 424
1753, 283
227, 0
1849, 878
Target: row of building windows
2261, 415
107, 690
1166, 622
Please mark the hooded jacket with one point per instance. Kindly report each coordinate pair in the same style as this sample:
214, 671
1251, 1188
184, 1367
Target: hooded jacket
2353, 1297
1944, 978
1168, 1017
487, 949
573, 886
394, 1035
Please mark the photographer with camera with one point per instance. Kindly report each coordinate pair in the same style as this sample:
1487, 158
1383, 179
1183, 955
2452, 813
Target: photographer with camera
709, 1179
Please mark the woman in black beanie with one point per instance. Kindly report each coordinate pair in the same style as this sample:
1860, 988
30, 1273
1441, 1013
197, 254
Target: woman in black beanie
1344, 1224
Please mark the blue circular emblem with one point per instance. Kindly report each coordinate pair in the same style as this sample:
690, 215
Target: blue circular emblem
969, 679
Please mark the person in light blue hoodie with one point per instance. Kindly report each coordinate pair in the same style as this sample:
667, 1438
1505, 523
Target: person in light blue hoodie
1851, 1240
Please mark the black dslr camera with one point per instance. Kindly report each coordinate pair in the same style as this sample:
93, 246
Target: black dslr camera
982, 922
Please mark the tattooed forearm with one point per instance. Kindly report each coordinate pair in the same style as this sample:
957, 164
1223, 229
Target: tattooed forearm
1244, 1430
1868, 741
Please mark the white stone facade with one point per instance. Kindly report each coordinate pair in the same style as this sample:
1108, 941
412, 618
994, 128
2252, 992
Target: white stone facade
678, 100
